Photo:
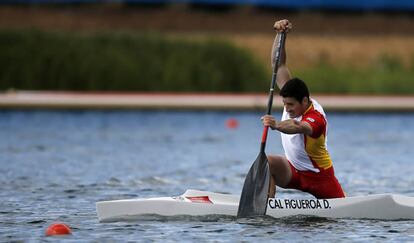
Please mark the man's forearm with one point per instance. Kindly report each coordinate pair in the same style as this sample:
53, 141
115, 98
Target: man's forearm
290, 126
283, 74
282, 54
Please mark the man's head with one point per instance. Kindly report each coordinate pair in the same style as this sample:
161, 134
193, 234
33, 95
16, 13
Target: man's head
295, 95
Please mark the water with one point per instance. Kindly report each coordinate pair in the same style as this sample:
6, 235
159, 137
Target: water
55, 165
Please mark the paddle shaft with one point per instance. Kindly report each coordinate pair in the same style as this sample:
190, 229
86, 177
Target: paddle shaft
280, 44
255, 193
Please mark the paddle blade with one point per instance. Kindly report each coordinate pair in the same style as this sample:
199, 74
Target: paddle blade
254, 197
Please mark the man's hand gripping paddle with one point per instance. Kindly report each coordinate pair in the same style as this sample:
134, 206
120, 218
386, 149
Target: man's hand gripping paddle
254, 196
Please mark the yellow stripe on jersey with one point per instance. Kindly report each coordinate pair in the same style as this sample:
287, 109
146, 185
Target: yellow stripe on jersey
315, 147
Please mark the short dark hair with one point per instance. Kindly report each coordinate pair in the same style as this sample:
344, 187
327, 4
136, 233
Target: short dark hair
295, 88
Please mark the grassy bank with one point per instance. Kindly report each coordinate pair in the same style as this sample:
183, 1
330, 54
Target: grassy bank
116, 61
387, 75
38, 60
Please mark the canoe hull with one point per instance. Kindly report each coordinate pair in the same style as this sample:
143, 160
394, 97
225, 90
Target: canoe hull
200, 203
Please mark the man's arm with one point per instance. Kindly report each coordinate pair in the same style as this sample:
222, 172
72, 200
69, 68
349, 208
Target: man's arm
283, 74
290, 126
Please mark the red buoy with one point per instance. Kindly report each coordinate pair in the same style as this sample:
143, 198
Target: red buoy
232, 123
58, 229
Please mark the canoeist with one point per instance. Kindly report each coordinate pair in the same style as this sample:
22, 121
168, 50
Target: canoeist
306, 165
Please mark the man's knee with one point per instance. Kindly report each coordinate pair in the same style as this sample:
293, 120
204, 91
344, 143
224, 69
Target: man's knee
280, 169
276, 161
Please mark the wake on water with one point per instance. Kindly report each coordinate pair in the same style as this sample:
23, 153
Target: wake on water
258, 220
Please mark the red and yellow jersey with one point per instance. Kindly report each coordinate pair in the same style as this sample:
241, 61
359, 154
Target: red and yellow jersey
308, 153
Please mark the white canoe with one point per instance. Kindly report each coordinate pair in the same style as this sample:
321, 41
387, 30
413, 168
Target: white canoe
199, 203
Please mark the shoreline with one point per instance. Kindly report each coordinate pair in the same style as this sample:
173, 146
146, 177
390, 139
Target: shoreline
192, 101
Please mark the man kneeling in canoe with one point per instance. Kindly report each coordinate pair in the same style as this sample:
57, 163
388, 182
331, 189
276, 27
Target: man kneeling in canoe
306, 165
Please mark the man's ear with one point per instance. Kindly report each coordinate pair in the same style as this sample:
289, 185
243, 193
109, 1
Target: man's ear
305, 100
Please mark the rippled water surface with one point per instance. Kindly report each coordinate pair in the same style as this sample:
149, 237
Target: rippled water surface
54, 166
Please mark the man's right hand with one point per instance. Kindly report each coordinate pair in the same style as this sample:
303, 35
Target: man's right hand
269, 121
283, 25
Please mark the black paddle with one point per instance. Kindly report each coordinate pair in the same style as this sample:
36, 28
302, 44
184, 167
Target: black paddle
254, 197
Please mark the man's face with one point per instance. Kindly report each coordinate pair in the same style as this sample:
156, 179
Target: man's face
293, 107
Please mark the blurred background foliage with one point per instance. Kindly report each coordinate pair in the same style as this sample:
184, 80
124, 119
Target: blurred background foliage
147, 46
120, 61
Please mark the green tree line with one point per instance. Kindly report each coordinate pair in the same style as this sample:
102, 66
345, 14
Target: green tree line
123, 61
37, 60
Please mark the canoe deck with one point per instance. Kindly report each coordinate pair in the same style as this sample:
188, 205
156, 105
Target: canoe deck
199, 203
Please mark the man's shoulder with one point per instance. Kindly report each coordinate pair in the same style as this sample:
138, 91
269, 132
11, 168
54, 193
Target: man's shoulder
315, 112
314, 116
318, 107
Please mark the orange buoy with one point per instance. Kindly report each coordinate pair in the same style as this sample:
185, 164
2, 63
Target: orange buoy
58, 229
232, 123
